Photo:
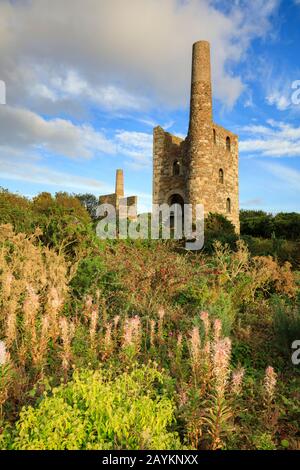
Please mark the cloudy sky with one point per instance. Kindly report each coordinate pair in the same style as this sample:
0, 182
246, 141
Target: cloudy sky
86, 81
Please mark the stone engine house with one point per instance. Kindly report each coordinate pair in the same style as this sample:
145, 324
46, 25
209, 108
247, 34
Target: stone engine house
203, 167
117, 198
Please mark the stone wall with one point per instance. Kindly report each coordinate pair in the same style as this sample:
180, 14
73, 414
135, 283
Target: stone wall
131, 203
203, 157
167, 151
227, 161
108, 199
118, 198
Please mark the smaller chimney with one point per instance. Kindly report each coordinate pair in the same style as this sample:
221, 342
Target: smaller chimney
119, 183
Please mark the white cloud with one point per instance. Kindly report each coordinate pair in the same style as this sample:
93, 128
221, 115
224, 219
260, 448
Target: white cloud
71, 86
278, 139
136, 145
278, 90
249, 103
256, 202
24, 132
23, 129
124, 49
31, 172
276, 98
18, 166
278, 86
151, 123
289, 176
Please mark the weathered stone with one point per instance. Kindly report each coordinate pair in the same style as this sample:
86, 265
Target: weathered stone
116, 199
202, 168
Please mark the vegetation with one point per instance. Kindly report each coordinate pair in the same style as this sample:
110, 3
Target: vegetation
260, 224
272, 235
97, 410
139, 344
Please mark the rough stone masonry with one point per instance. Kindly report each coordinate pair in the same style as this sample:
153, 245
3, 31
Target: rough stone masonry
202, 168
118, 198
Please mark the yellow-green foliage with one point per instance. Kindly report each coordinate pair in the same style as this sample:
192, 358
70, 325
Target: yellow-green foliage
97, 411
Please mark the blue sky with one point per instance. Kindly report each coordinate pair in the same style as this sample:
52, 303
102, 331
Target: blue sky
87, 80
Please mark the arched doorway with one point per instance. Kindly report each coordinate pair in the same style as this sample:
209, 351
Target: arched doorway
176, 199
177, 202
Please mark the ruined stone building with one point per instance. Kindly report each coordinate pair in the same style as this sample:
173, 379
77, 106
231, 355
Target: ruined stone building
117, 198
203, 167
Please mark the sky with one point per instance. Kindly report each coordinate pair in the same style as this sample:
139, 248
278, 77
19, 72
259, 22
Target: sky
87, 80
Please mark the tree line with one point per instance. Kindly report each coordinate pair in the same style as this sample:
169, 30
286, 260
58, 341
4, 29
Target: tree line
285, 225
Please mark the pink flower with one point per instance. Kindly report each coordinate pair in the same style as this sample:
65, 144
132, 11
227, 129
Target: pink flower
195, 345
132, 332
217, 329
270, 381
237, 379
221, 359
161, 313
3, 353
205, 318
116, 321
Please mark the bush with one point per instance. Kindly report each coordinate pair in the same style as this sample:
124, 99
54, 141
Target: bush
284, 225
283, 250
97, 411
287, 225
91, 275
256, 223
17, 211
89, 202
61, 204
218, 227
286, 325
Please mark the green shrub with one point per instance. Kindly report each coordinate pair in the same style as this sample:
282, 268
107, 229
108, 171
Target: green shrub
91, 273
286, 324
285, 225
218, 227
89, 202
256, 223
263, 442
224, 309
98, 411
17, 211
282, 250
